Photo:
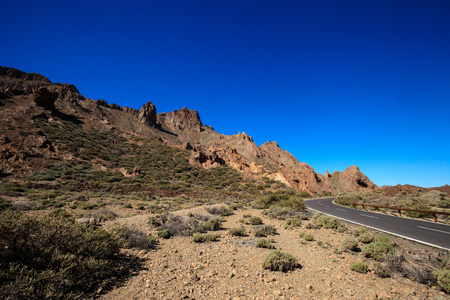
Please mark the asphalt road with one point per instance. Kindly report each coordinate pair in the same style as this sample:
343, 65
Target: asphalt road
433, 234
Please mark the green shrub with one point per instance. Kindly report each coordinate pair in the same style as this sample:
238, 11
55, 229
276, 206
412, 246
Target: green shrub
212, 225
293, 222
263, 243
377, 250
327, 222
308, 237
360, 267
443, 280
165, 234
276, 260
361, 230
264, 230
237, 231
209, 237
255, 220
385, 239
366, 238
53, 257
350, 244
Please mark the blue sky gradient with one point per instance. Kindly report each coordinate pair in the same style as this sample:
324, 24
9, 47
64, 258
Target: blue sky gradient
336, 83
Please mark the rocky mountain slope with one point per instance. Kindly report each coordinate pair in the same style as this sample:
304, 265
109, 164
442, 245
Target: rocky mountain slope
26, 98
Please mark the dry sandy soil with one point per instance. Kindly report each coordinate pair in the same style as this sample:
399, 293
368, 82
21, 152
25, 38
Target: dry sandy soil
231, 268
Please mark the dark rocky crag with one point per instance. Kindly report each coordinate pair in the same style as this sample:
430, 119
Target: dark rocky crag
23, 96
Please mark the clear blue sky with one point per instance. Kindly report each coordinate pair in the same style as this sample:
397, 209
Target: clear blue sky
336, 83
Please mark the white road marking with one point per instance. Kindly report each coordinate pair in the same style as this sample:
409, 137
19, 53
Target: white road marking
340, 209
387, 231
369, 216
326, 206
433, 229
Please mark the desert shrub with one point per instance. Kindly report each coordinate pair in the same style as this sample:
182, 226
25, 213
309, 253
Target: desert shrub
415, 204
209, 237
263, 243
308, 237
212, 225
255, 220
348, 198
264, 230
5, 204
361, 230
135, 238
366, 238
293, 222
384, 239
276, 260
380, 270
327, 222
350, 244
165, 233
284, 213
394, 263
219, 210
237, 231
101, 215
443, 280
420, 274
377, 250
52, 257
291, 200
178, 225
360, 267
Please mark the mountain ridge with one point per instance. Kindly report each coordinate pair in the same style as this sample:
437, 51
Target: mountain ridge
24, 96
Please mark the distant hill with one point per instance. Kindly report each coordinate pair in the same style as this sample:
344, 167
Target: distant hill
49, 131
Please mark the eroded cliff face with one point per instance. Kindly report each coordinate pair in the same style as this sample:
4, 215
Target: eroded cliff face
23, 96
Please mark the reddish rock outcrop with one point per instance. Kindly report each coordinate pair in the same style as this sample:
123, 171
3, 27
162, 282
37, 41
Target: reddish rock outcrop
183, 119
147, 114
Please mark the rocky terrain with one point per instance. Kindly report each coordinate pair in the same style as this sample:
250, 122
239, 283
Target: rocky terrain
25, 97
231, 267
77, 173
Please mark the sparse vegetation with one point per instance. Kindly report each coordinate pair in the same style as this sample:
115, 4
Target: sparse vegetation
237, 231
360, 267
443, 280
350, 243
263, 243
264, 230
53, 257
366, 238
209, 237
292, 223
377, 250
276, 260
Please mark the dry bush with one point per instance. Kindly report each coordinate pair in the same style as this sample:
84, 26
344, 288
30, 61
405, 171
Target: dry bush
219, 210
264, 230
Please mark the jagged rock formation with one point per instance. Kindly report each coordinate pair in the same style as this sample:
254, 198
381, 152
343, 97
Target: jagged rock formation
147, 114
183, 119
181, 128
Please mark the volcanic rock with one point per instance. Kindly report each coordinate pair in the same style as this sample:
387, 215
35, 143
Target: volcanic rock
184, 119
45, 98
147, 114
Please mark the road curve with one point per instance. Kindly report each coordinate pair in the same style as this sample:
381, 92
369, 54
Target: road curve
432, 234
